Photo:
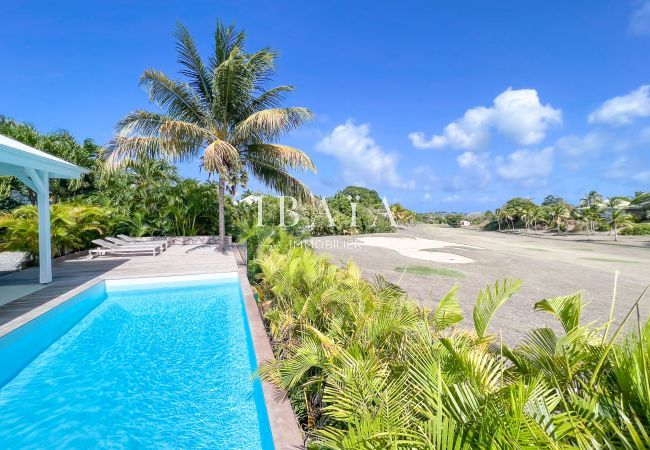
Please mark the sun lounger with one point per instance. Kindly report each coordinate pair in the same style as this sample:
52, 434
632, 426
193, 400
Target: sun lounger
136, 240
108, 247
123, 242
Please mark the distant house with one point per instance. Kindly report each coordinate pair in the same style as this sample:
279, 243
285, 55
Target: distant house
465, 223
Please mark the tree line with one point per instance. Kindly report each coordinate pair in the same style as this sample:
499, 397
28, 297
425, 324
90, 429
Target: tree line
594, 213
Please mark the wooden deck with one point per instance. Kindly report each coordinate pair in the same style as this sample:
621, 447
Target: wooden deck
74, 275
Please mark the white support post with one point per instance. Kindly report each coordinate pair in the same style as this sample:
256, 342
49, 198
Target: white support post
41, 181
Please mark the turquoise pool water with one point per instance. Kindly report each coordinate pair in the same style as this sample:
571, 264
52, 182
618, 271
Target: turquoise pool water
138, 367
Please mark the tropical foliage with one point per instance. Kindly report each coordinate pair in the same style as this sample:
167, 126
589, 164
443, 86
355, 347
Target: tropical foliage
59, 143
73, 226
367, 369
639, 229
314, 217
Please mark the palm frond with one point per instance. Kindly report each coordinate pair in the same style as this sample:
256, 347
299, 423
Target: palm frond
148, 147
190, 58
489, 300
448, 312
269, 124
272, 98
278, 178
290, 157
176, 98
566, 308
225, 40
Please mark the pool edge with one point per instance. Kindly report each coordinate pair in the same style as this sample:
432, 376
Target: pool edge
284, 425
35, 313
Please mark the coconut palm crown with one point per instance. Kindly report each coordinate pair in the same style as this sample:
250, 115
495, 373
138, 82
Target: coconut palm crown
223, 114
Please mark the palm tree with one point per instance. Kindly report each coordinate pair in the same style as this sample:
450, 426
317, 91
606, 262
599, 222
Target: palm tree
498, 213
223, 114
536, 215
509, 215
617, 219
616, 215
526, 214
592, 204
592, 216
559, 212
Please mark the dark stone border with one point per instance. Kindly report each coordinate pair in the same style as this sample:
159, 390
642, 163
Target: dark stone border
284, 425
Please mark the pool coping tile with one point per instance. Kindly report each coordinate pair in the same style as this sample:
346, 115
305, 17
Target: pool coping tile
286, 432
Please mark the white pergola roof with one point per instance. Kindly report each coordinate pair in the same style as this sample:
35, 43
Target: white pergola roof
15, 156
35, 168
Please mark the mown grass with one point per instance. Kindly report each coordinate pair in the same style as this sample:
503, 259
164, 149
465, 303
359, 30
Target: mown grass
430, 271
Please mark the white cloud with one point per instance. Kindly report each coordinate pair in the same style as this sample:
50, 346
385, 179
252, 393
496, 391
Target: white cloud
427, 196
475, 172
516, 114
579, 146
476, 165
526, 165
640, 20
362, 161
624, 109
419, 140
450, 198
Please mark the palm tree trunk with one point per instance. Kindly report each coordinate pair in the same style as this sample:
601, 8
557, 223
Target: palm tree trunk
222, 219
615, 233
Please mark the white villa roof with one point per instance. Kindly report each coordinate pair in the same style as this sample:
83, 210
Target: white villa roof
16, 156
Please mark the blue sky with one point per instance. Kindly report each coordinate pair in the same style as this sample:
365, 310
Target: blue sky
439, 105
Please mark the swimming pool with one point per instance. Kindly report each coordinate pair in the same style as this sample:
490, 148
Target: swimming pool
135, 363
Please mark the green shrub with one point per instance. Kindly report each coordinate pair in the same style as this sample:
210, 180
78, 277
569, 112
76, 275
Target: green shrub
453, 220
73, 227
365, 368
602, 226
639, 229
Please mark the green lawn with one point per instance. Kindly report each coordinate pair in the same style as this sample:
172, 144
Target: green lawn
430, 271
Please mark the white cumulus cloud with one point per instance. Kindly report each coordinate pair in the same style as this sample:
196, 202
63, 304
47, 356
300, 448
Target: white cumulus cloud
624, 109
525, 165
362, 161
516, 113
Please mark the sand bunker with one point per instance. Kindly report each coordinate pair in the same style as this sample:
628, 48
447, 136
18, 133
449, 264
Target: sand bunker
417, 248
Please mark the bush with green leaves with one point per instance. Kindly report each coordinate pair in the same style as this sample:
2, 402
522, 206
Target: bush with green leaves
73, 227
364, 368
453, 220
639, 229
